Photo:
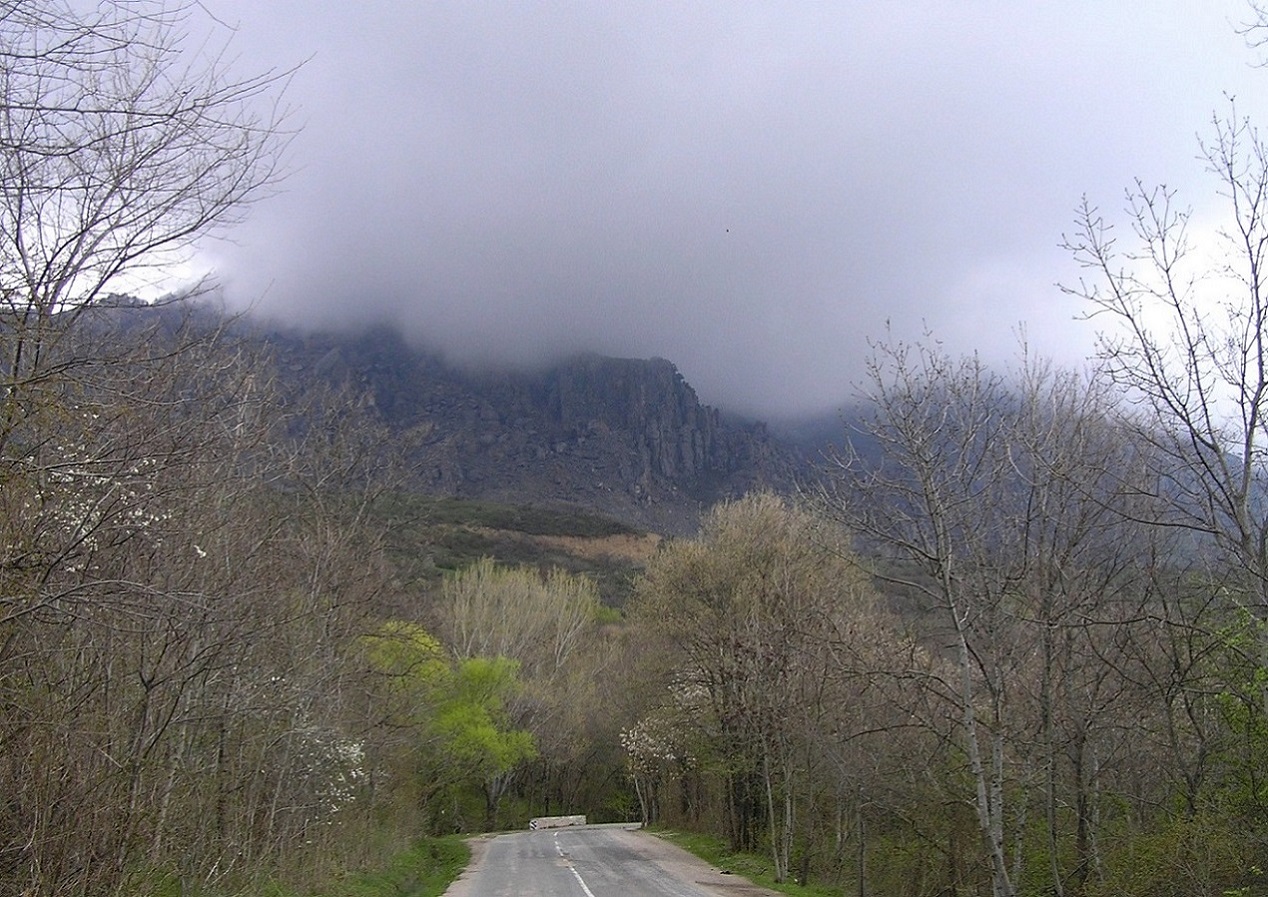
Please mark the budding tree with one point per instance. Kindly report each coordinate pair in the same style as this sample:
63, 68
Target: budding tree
118, 149
750, 610
122, 142
1186, 335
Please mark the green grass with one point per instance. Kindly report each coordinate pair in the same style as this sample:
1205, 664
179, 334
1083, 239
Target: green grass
531, 519
424, 870
757, 868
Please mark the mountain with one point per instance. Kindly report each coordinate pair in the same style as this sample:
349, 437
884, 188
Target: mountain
624, 437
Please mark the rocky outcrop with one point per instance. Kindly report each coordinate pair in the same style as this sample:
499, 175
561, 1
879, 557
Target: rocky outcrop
673, 436
625, 437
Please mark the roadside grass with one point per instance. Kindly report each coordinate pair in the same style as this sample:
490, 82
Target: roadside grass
755, 867
424, 870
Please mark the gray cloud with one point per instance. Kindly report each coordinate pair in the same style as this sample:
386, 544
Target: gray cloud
750, 190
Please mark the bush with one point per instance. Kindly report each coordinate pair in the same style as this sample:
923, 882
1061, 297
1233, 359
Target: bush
1202, 856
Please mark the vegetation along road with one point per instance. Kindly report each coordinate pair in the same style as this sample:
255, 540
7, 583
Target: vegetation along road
592, 861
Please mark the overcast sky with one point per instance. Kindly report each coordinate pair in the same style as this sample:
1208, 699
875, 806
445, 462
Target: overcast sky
749, 190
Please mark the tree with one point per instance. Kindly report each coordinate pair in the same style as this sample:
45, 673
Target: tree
1186, 338
118, 149
121, 143
546, 623
750, 610
937, 508
538, 619
1004, 506
119, 146
455, 711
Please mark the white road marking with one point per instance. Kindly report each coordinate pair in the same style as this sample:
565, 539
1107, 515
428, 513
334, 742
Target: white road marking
573, 869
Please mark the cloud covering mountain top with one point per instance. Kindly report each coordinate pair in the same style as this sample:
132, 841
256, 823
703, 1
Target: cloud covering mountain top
750, 190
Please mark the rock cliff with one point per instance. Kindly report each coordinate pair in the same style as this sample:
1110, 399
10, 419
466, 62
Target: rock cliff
625, 437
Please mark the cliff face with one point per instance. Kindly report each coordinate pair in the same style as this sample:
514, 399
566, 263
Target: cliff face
625, 437
673, 436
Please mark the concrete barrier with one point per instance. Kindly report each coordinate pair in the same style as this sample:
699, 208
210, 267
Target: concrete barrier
555, 821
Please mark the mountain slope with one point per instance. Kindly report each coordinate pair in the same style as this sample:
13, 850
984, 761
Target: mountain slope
623, 437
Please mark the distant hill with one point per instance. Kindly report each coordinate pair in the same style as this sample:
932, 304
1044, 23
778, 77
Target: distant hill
819, 438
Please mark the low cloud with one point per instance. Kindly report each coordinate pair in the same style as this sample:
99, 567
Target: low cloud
753, 192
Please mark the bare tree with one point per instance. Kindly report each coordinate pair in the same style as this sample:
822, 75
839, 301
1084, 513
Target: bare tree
994, 500
121, 143
124, 137
932, 508
119, 146
1186, 337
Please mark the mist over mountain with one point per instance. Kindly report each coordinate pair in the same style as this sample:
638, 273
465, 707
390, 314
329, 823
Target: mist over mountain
755, 192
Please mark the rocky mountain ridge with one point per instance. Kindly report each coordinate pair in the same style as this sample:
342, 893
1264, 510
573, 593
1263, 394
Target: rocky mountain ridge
625, 437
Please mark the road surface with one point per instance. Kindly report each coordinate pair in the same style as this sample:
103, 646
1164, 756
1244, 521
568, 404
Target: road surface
592, 861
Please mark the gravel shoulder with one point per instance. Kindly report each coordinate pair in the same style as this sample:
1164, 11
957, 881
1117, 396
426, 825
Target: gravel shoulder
687, 866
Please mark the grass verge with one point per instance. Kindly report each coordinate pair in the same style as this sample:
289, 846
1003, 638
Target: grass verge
425, 870
757, 868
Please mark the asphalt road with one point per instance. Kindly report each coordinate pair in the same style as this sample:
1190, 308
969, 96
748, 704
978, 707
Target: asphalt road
592, 861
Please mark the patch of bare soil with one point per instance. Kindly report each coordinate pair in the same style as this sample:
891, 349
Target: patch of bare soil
461, 886
637, 549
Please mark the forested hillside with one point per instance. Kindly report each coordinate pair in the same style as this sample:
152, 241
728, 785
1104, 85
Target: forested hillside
235, 646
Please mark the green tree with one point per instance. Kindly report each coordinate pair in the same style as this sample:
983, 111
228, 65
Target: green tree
548, 623
454, 711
